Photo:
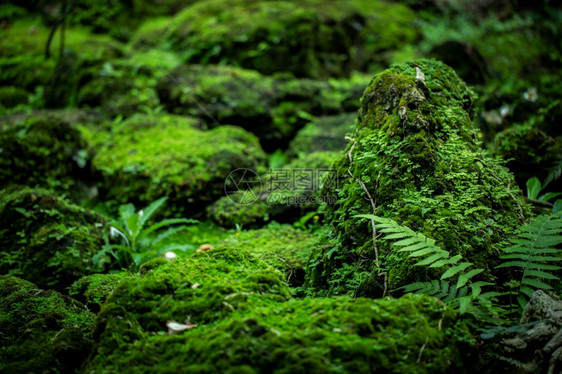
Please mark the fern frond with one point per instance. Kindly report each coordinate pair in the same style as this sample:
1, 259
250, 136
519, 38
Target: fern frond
533, 250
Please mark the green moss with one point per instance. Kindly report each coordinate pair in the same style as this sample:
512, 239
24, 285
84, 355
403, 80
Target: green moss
42, 331
92, 290
323, 134
147, 157
413, 334
11, 96
272, 108
202, 289
281, 246
45, 239
309, 39
284, 194
414, 152
44, 148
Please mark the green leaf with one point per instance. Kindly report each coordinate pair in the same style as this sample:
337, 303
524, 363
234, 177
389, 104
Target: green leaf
455, 270
533, 188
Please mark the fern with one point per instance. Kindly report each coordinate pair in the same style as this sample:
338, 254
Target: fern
534, 251
465, 294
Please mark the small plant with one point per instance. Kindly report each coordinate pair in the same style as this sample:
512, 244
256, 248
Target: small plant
138, 242
534, 189
464, 294
534, 251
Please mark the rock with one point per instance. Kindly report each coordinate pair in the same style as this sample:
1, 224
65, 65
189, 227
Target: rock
283, 247
538, 348
323, 134
42, 331
411, 334
92, 290
309, 38
151, 156
45, 148
414, 153
284, 194
45, 239
272, 108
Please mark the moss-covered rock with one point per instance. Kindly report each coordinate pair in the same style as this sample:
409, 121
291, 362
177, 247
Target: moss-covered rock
282, 246
272, 108
11, 96
309, 38
92, 290
414, 159
44, 148
323, 134
201, 289
125, 86
148, 157
413, 334
284, 194
42, 331
45, 239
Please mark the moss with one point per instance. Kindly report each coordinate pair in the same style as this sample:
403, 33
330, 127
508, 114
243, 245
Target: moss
42, 331
309, 38
272, 108
45, 239
413, 334
282, 246
202, 289
284, 194
11, 96
323, 134
44, 148
171, 157
92, 290
414, 151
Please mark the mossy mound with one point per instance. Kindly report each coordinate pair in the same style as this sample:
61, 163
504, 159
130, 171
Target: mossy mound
126, 86
92, 290
323, 134
414, 153
44, 149
282, 246
11, 96
45, 239
309, 39
272, 108
202, 289
413, 334
23, 63
148, 157
284, 194
42, 331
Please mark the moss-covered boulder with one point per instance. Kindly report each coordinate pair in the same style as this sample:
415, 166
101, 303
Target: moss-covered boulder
413, 334
125, 86
272, 108
150, 156
44, 149
42, 331
280, 245
283, 194
199, 290
309, 39
11, 96
323, 134
92, 290
414, 159
45, 239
